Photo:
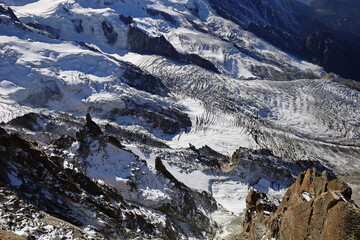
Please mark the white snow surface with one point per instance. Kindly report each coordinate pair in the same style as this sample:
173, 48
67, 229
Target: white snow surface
310, 117
216, 133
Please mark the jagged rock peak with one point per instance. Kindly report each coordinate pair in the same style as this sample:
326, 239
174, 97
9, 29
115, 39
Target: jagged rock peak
90, 129
314, 207
88, 118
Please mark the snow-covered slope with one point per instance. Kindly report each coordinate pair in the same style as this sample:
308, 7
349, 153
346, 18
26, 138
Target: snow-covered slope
224, 110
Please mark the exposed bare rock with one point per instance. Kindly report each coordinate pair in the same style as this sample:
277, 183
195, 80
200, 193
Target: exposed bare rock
5, 235
30, 121
169, 120
314, 207
165, 15
159, 166
16, 215
141, 42
126, 19
64, 142
209, 156
10, 13
109, 32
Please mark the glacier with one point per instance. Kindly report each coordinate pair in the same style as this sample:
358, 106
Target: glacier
169, 79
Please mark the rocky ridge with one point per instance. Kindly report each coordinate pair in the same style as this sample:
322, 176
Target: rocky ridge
314, 207
108, 211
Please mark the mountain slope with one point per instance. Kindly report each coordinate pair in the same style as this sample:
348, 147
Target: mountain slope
189, 111
342, 15
290, 25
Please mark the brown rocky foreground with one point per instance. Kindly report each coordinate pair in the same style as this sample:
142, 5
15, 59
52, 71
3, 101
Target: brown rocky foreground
5, 235
315, 207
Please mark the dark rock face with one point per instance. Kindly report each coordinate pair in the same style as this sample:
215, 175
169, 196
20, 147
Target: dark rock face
209, 156
115, 142
91, 129
40, 169
314, 207
16, 213
145, 82
64, 142
53, 32
263, 164
334, 54
170, 121
277, 37
187, 199
201, 62
127, 20
78, 25
159, 166
31, 121
109, 32
134, 136
2, 131
11, 13
166, 16
89, 133
140, 42
46, 127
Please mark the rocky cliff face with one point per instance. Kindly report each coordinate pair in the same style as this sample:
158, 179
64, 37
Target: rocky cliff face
314, 207
57, 182
140, 42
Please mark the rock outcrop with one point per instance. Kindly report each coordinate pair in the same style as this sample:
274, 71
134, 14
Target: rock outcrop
9, 235
314, 207
62, 182
141, 42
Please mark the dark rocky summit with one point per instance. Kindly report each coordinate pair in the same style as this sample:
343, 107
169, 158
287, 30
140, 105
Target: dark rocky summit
314, 207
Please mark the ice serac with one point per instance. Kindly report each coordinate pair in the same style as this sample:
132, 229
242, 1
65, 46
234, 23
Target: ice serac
315, 206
